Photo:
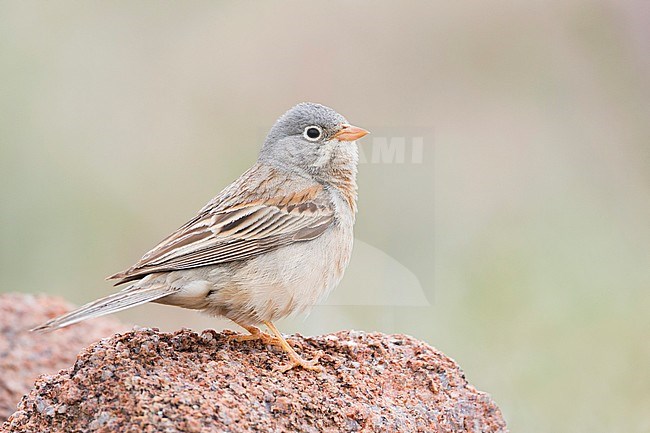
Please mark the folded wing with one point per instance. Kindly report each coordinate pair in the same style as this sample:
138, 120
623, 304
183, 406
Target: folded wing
225, 232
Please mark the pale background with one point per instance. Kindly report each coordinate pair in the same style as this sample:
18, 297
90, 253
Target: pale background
518, 245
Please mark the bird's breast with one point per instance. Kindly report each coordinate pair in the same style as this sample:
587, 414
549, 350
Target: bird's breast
286, 281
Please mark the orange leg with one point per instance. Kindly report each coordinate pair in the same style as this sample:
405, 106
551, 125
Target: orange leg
255, 334
295, 359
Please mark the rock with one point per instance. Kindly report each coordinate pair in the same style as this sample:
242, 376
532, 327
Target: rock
26, 355
148, 381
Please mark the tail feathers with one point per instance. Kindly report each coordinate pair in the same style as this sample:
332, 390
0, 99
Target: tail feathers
129, 297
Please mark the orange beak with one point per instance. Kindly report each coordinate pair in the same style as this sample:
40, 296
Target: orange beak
350, 133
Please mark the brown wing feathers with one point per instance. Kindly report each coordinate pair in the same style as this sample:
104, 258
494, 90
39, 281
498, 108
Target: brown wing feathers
228, 232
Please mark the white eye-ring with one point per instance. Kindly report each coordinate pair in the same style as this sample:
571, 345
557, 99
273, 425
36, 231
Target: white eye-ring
313, 133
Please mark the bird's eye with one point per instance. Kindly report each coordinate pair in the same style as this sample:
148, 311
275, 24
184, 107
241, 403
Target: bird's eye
313, 133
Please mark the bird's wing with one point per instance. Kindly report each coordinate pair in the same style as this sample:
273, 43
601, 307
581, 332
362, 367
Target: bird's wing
225, 232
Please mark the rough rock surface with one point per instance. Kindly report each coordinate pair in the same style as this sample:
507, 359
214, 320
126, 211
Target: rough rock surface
147, 381
26, 355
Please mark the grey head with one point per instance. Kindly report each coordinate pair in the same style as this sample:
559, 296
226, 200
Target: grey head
312, 139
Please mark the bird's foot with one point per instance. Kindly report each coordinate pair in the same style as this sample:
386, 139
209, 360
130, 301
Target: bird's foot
294, 359
256, 334
297, 361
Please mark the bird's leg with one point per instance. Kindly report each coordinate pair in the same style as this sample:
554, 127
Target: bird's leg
294, 359
255, 334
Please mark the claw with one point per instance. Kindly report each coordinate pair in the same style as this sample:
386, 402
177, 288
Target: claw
312, 364
278, 340
294, 359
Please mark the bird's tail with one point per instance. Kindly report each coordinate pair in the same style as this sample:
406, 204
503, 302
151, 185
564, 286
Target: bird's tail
127, 298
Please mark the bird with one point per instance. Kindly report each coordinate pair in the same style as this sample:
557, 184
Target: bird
271, 244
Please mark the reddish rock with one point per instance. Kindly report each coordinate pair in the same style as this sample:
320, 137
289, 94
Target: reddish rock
147, 381
26, 355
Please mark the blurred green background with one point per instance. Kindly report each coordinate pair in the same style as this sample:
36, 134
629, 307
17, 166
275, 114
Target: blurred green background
518, 243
